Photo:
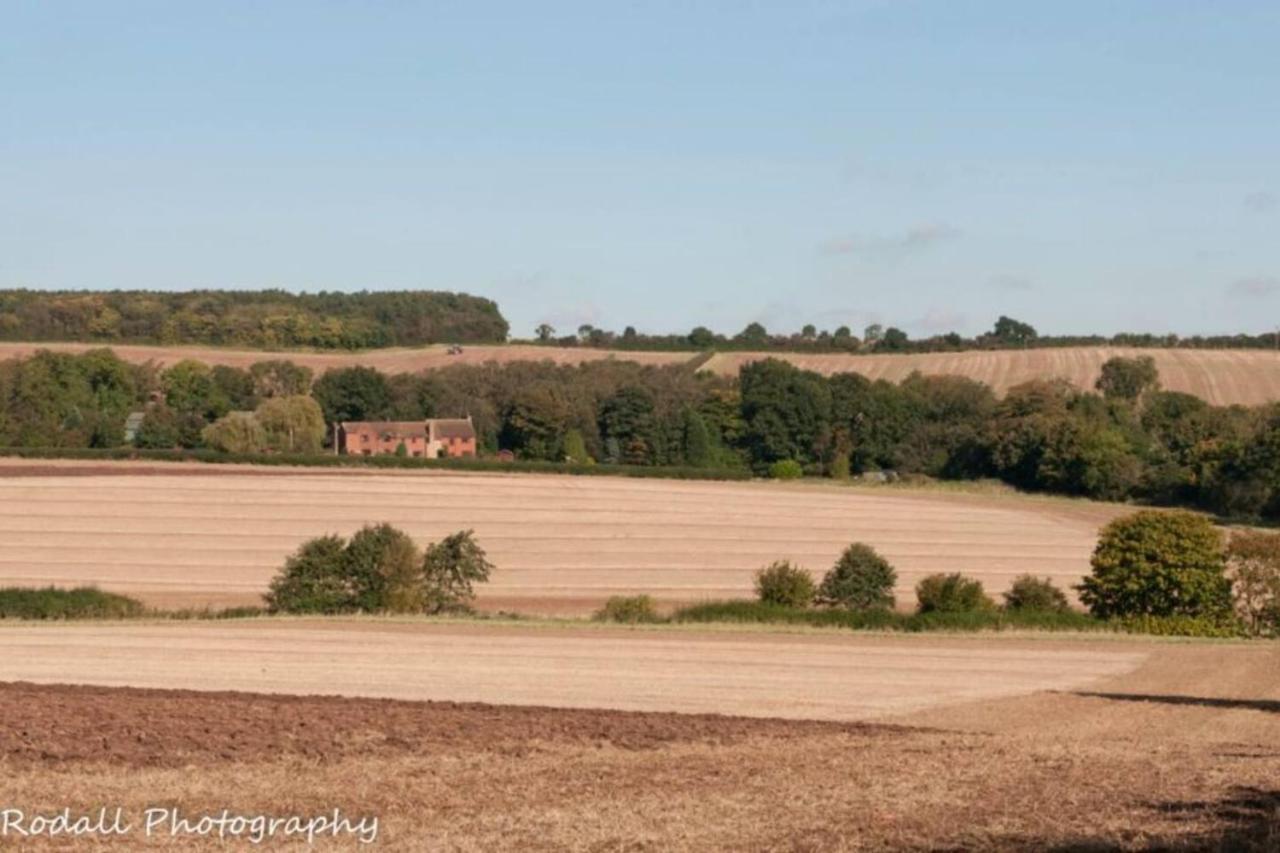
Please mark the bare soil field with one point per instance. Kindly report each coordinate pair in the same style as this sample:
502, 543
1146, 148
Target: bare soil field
390, 360
824, 675
1176, 750
1223, 377
215, 535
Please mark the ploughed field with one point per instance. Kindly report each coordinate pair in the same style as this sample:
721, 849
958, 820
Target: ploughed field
994, 743
210, 535
1224, 377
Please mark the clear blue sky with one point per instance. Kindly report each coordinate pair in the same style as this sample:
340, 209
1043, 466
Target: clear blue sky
1084, 166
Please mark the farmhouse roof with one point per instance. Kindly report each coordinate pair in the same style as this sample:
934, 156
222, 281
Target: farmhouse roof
452, 428
401, 429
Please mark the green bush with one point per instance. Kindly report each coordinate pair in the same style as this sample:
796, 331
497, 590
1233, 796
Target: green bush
860, 580
786, 469
953, 593
1158, 564
1038, 594
785, 585
629, 609
313, 580
53, 603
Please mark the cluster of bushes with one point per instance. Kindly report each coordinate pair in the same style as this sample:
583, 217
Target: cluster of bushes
1152, 572
380, 570
254, 318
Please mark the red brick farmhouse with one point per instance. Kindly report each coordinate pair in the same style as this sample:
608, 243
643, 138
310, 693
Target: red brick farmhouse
429, 439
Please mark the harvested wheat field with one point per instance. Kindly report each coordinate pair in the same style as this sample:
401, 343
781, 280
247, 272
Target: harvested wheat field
390, 360
1223, 377
821, 675
217, 534
1088, 744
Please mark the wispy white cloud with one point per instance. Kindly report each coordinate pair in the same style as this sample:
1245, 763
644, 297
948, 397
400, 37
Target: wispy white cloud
914, 239
1254, 287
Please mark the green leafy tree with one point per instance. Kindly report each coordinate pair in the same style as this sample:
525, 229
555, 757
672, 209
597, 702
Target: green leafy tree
702, 338
575, 448
237, 432
1128, 378
279, 378
450, 570
313, 580
545, 332
384, 569
159, 430
628, 417
784, 585
292, 424
1158, 564
787, 412
698, 451
352, 394
189, 388
1011, 331
860, 580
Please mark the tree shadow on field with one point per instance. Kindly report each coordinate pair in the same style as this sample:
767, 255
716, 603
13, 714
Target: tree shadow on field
1247, 821
1269, 706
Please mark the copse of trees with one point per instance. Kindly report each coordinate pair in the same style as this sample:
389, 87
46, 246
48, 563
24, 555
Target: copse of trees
261, 318
379, 570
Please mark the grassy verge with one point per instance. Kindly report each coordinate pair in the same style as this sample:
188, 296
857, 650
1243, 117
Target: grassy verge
329, 460
80, 603
754, 612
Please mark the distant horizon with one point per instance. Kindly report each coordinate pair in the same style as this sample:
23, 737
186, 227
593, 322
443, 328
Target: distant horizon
517, 334
1087, 168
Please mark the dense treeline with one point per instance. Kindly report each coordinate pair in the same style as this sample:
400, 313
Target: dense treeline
1007, 333
1128, 440
261, 318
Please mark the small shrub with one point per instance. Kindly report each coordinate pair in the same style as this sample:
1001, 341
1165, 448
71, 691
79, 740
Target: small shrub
628, 609
1158, 564
839, 467
53, 603
953, 593
786, 469
450, 568
1035, 594
785, 585
860, 580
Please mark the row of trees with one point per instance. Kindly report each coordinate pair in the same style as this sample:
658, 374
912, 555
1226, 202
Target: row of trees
1007, 333
1127, 439
257, 318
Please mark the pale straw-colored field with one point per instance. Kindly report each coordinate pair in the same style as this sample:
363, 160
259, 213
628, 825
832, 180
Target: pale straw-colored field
562, 545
